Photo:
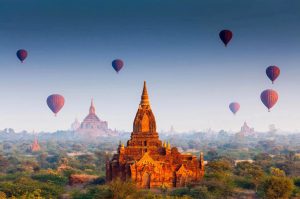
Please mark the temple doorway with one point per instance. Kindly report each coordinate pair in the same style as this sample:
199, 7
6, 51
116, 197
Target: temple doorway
146, 180
183, 181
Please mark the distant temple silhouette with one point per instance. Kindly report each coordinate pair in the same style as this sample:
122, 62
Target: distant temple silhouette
35, 145
245, 131
92, 126
149, 162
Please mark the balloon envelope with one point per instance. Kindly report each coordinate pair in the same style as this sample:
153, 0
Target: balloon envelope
55, 102
269, 98
225, 36
273, 72
234, 107
22, 54
117, 64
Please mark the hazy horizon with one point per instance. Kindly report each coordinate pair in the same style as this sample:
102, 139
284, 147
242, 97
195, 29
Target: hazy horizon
173, 45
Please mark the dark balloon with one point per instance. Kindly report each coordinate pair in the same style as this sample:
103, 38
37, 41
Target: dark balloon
273, 72
117, 64
22, 54
234, 107
55, 102
269, 98
225, 36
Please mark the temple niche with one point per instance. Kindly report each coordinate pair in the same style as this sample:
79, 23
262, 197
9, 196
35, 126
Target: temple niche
148, 161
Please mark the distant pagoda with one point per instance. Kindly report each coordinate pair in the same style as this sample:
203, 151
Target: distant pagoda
92, 126
149, 162
246, 130
35, 145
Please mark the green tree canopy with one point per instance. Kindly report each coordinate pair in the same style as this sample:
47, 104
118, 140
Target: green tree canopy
275, 187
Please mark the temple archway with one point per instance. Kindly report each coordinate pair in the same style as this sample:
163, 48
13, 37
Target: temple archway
182, 181
146, 180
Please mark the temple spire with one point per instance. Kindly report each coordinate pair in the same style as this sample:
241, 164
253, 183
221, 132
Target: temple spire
35, 140
35, 146
145, 99
92, 108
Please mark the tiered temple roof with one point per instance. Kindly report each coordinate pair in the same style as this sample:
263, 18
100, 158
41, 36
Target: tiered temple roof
149, 162
92, 126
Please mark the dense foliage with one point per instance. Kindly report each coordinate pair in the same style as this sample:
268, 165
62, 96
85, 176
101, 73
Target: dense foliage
274, 172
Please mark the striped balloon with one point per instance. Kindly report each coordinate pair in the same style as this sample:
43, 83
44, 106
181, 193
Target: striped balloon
234, 107
269, 98
273, 72
55, 102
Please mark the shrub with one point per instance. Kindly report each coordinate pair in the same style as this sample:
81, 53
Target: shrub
244, 183
180, 192
274, 187
51, 178
201, 192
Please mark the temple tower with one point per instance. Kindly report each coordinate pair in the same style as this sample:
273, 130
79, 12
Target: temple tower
144, 135
35, 145
92, 126
148, 162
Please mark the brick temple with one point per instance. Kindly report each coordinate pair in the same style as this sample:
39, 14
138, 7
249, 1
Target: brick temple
148, 161
92, 126
35, 145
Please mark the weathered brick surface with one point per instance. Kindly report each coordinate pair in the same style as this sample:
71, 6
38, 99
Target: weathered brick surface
147, 160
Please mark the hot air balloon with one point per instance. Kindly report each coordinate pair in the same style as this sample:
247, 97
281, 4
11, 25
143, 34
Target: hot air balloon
273, 72
234, 107
55, 102
22, 54
269, 98
225, 36
117, 64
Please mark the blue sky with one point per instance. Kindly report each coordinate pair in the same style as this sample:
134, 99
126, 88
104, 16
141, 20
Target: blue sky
172, 44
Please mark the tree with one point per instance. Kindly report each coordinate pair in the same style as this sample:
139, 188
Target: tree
289, 164
211, 155
146, 194
219, 187
275, 187
3, 163
24, 186
277, 172
86, 159
219, 166
201, 192
36, 194
42, 160
49, 177
121, 189
180, 192
99, 192
264, 160
218, 178
250, 171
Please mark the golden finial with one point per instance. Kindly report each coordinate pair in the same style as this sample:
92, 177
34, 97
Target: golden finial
168, 145
92, 107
